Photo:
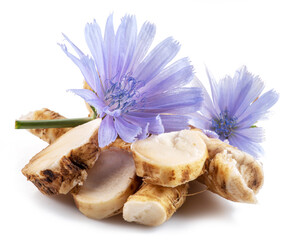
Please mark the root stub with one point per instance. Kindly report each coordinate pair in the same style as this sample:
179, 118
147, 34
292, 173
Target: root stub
170, 159
48, 135
152, 205
63, 164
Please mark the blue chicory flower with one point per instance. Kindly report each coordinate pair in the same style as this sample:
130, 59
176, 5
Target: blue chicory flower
234, 108
135, 93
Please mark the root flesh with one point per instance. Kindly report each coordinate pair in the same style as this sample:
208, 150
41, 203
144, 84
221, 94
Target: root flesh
110, 182
152, 205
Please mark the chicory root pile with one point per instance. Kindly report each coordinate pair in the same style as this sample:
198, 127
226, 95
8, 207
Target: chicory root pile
146, 181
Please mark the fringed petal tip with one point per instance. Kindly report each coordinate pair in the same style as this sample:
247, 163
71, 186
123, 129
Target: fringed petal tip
144, 132
127, 131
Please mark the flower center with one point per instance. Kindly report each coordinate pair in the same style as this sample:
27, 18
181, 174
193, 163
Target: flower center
224, 125
121, 94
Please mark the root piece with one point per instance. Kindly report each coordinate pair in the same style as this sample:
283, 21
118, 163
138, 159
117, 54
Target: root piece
152, 205
50, 134
227, 164
110, 182
170, 159
63, 164
224, 178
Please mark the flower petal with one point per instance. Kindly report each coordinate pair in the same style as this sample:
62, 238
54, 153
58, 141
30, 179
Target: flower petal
77, 50
246, 144
144, 133
127, 43
176, 75
259, 109
141, 119
175, 122
95, 43
156, 60
180, 101
214, 92
255, 134
248, 88
207, 109
91, 98
144, 41
199, 120
226, 93
88, 70
107, 133
127, 131
212, 134
109, 42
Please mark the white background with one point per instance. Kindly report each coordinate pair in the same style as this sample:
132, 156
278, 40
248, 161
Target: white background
223, 35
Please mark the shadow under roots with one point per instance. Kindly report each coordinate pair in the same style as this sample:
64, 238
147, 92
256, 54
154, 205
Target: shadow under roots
204, 204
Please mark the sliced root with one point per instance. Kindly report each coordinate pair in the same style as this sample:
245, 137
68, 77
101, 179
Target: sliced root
62, 165
110, 182
48, 135
170, 159
152, 205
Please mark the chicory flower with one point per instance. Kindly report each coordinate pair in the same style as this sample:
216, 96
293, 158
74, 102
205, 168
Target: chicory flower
135, 93
235, 106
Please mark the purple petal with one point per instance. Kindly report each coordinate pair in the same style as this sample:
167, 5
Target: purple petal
77, 50
144, 133
127, 43
95, 43
211, 134
214, 92
144, 41
254, 134
207, 108
198, 120
88, 70
109, 41
156, 60
245, 144
174, 76
91, 98
248, 88
259, 109
226, 93
181, 101
127, 131
107, 133
175, 122
141, 119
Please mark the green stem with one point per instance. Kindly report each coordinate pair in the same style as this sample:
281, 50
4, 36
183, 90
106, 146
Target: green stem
54, 123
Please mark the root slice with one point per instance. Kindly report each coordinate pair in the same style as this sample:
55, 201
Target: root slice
152, 205
110, 182
63, 164
170, 159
